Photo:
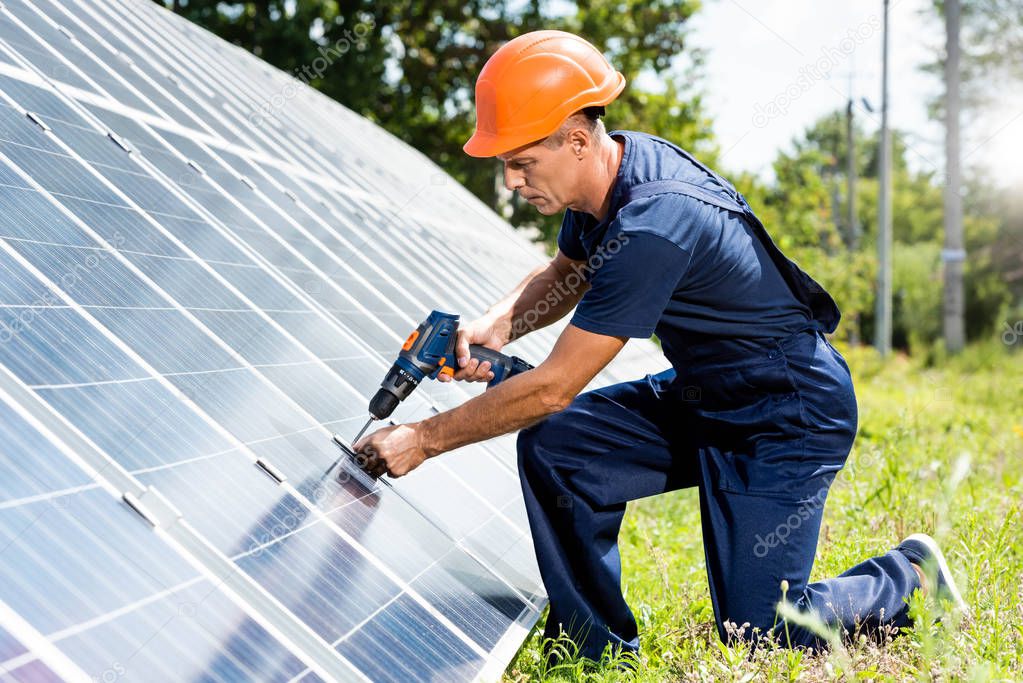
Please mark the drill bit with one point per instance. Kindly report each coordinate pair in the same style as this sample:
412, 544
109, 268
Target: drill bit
343, 456
363, 430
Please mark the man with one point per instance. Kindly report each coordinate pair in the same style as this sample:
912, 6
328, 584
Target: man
757, 411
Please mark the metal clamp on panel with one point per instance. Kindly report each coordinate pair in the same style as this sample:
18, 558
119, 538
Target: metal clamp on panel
120, 142
34, 118
291, 195
245, 179
196, 167
136, 504
67, 32
271, 471
350, 466
152, 506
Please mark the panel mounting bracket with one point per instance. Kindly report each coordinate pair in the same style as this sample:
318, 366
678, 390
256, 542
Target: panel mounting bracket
152, 506
34, 118
139, 507
271, 471
120, 142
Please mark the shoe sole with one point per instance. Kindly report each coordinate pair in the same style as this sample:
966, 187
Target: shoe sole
946, 573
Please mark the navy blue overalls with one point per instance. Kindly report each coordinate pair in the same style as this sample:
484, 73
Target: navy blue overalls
761, 428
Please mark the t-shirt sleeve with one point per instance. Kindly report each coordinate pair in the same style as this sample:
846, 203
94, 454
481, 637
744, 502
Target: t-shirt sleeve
631, 283
568, 238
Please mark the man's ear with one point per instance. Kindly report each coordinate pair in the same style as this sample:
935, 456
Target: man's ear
580, 142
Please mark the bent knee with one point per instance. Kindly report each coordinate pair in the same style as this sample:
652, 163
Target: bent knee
541, 443
529, 444
561, 438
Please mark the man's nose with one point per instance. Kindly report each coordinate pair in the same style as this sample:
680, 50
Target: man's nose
513, 180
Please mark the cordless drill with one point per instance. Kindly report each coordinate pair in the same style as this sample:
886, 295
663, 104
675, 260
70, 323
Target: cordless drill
429, 351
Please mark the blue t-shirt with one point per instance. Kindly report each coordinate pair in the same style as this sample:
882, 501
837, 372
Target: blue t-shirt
675, 265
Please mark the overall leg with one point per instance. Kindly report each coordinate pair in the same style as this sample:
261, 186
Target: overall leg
776, 439
754, 542
873, 593
578, 469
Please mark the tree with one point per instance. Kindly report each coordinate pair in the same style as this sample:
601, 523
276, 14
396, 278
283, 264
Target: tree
992, 42
799, 211
414, 65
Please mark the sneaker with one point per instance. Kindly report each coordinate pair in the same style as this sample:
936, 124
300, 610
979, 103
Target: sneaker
923, 551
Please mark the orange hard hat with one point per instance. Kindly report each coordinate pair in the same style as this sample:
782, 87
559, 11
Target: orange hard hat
532, 84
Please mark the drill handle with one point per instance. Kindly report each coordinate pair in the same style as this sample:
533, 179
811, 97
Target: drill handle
501, 365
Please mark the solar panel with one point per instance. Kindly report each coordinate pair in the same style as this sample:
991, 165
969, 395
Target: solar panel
196, 290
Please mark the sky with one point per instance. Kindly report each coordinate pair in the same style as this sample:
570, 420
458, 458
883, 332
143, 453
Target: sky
774, 66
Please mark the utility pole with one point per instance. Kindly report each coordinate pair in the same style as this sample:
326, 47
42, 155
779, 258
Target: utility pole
883, 321
853, 235
953, 255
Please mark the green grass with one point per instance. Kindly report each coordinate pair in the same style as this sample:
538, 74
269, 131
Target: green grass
940, 449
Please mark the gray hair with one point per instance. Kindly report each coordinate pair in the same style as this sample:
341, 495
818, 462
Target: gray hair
581, 119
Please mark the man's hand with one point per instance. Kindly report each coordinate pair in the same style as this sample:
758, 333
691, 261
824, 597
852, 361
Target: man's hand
392, 450
519, 313
486, 332
521, 400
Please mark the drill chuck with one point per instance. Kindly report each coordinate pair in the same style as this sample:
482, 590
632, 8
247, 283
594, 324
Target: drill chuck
400, 381
383, 404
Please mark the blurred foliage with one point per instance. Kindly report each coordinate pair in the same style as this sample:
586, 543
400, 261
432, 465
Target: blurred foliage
805, 210
411, 66
991, 42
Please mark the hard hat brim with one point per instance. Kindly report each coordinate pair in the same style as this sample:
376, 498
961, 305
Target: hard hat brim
483, 144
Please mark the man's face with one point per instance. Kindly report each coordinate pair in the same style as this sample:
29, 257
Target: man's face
544, 177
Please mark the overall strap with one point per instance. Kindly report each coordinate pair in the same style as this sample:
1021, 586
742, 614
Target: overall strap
655, 187
805, 288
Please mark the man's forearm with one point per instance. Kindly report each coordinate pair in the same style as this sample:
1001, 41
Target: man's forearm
543, 297
511, 405
515, 403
